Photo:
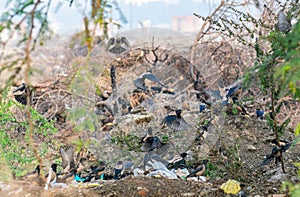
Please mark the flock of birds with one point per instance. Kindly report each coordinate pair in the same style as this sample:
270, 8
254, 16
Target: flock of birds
84, 171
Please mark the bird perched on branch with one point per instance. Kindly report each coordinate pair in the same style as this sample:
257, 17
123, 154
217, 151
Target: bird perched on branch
26, 93
140, 81
115, 45
176, 122
283, 24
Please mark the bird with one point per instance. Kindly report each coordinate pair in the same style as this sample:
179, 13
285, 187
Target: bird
178, 161
96, 172
223, 154
234, 92
275, 154
117, 170
140, 81
114, 45
147, 135
66, 177
259, 113
283, 24
284, 145
81, 166
26, 93
33, 174
202, 107
150, 143
51, 176
200, 170
176, 122
127, 167
67, 159
155, 143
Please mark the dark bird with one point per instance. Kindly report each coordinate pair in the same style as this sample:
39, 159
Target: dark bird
33, 174
81, 165
66, 177
176, 122
259, 114
155, 143
96, 172
275, 154
151, 143
25, 94
234, 91
140, 81
115, 45
223, 154
283, 24
202, 107
118, 170
147, 135
200, 170
67, 159
178, 161
284, 145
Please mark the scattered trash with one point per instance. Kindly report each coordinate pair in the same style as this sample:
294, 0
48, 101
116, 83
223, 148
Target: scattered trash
231, 187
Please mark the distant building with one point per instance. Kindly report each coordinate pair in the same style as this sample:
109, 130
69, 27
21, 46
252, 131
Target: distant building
187, 24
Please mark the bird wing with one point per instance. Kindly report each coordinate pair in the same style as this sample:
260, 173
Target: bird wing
110, 42
140, 83
20, 88
66, 160
117, 50
125, 41
283, 24
152, 77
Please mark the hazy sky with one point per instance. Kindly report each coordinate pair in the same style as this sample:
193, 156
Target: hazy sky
160, 13
69, 19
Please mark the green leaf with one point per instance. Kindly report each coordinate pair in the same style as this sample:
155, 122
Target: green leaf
297, 130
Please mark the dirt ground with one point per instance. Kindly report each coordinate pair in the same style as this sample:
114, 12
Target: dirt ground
246, 139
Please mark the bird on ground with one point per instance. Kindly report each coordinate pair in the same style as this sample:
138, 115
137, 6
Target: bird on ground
115, 45
140, 81
67, 159
223, 154
127, 167
234, 92
26, 93
96, 172
202, 108
33, 174
283, 24
117, 170
51, 176
178, 161
200, 170
284, 145
176, 122
259, 113
66, 177
148, 134
275, 154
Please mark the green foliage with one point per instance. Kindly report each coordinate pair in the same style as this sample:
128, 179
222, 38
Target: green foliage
289, 50
14, 131
130, 142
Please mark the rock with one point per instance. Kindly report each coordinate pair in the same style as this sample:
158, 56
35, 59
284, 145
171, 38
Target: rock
250, 147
